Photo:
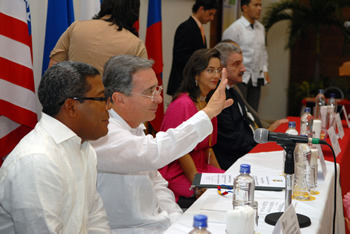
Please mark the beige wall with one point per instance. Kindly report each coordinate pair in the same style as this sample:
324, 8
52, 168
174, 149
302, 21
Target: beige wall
273, 101
274, 96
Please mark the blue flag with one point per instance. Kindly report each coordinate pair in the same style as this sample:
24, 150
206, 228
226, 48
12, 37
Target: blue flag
60, 15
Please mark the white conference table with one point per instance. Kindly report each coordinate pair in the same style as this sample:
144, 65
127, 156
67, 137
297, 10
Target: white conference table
320, 210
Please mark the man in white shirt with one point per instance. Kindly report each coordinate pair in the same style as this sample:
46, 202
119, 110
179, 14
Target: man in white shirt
249, 34
48, 182
134, 193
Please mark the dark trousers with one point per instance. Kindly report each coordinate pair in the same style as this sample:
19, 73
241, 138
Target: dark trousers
250, 93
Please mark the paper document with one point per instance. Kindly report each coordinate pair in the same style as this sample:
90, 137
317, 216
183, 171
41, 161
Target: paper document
262, 182
224, 203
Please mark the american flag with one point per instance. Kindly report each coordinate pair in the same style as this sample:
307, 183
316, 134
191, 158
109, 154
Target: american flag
17, 92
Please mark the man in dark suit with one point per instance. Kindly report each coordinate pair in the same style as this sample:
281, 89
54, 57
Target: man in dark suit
190, 37
236, 124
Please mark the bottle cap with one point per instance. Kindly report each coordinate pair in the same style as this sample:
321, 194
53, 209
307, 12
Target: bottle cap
244, 168
200, 221
307, 109
292, 124
320, 91
332, 95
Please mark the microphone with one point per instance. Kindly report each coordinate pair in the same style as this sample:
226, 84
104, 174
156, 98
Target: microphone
347, 25
262, 135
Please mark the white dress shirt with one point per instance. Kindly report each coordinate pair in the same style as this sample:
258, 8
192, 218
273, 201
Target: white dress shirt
48, 184
252, 43
134, 193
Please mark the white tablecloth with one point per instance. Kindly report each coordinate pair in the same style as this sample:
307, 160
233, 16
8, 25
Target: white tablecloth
320, 210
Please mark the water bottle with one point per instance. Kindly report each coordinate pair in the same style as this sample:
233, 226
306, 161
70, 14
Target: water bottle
292, 128
332, 102
314, 171
200, 225
319, 101
302, 170
331, 109
243, 187
321, 112
306, 122
292, 131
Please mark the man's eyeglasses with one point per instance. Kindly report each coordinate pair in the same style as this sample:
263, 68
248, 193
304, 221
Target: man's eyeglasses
211, 70
153, 93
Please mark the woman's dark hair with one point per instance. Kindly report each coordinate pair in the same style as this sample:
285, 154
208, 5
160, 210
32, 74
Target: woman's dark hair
197, 63
124, 13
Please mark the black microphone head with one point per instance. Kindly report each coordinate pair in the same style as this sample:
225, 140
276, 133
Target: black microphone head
261, 135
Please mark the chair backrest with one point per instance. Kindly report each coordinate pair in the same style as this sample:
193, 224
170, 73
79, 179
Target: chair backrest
334, 89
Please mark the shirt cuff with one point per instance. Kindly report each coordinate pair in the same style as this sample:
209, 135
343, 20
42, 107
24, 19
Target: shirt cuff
203, 123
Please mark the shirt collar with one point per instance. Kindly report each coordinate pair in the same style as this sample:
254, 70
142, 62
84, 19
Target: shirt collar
125, 125
197, 21
246, 23
57, 130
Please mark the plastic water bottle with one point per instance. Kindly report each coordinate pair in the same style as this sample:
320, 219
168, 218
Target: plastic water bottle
302, 170
243, 187
332, 102
331, 109
321, 112
314, 171
292, 131
200, 225
319, 101
292, 128
306, 122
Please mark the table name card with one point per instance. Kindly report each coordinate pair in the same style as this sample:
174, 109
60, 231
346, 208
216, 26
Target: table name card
339, 126
334, 140
346, 116
288, 222
322, 160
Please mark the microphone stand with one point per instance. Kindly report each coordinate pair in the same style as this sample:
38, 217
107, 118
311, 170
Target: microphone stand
288, 145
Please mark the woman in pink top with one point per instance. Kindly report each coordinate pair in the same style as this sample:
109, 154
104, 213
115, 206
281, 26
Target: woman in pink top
201, 75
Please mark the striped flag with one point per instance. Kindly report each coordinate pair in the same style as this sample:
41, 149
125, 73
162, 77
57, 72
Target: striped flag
154, 50
17, 92
60, 15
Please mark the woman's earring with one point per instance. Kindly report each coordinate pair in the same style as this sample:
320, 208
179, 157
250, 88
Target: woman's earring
196, 82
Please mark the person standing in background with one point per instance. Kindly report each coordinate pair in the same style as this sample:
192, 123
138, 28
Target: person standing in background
250, 35
108, 34
189, 37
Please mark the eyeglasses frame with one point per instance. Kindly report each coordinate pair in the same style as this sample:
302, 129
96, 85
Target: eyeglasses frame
156, 92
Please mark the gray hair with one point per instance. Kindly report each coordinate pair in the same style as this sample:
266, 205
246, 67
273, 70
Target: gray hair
62, 81
226, 49
118, 72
